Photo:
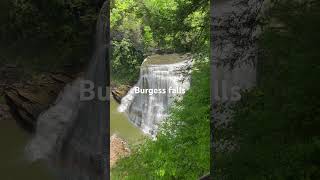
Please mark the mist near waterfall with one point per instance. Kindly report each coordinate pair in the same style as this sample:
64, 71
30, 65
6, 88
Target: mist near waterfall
72, 134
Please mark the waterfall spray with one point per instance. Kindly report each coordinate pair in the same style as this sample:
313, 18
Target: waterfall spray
72, 134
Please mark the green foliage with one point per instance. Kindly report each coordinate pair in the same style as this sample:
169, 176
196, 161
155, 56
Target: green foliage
126, 22
53, 31
148, 37
180, 25
127, 41
182, 147
276, 125
125, 62
150, 25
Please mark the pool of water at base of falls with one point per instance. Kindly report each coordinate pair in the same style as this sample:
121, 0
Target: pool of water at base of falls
13, 165
121, 126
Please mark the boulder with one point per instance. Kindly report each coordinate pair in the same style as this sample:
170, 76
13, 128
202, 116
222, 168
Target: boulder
27, 100
119, 92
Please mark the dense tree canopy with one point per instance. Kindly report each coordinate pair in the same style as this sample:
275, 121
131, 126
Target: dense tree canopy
48, 32
276, 125
144, 26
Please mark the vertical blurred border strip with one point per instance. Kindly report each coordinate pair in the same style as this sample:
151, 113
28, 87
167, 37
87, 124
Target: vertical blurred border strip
233, 39
211, 92
106, 138
105, 124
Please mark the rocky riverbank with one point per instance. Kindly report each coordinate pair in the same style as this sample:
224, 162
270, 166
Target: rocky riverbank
27, 99
118, 92
118, 149
23, 99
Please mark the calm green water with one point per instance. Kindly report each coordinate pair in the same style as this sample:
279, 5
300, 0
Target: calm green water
13, 166
120, 125
164, 59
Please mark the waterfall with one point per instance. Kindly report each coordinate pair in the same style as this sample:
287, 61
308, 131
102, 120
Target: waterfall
72, 134
147, 110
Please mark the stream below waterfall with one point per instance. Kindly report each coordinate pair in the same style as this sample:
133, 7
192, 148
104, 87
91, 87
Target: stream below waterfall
13, 163
120, 125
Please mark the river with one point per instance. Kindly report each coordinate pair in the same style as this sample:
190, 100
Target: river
13, 165
120, 125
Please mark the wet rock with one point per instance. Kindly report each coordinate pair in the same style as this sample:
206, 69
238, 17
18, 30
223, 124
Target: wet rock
119, 92
26, 100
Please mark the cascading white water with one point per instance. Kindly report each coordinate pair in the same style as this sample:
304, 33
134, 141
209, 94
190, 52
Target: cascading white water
147, 110
72, 134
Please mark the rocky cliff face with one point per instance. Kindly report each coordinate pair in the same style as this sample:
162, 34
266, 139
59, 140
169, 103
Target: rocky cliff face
29, 98
72, 135
118, 92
